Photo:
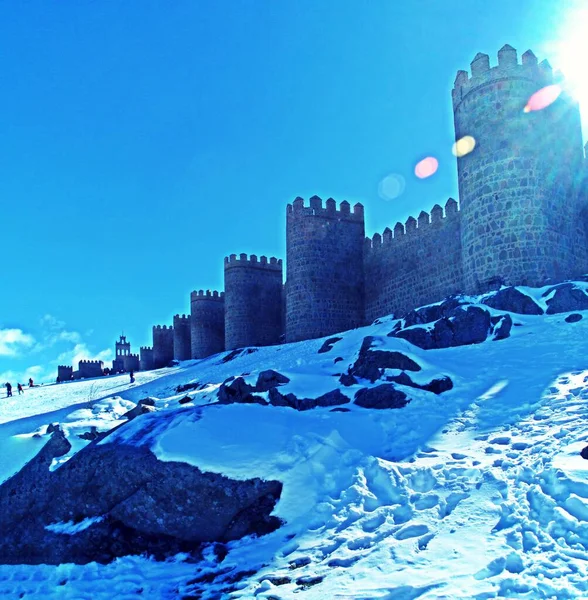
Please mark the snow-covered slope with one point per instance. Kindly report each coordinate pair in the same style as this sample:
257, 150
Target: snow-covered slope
478, 492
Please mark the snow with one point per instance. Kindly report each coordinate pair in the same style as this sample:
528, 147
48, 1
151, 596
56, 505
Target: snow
479, 492
71, 528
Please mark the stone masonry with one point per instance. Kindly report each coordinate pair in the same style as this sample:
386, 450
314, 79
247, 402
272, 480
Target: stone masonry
208, 323
182, 342
163, 346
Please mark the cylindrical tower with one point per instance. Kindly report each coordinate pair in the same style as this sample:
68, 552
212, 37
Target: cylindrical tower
163, 346
182, 343
518, 188
253, 301
324, 274
208, 323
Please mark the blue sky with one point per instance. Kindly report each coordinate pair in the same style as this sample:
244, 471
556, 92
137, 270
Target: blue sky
144, 141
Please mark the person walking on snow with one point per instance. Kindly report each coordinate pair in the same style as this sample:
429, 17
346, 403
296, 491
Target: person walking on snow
31, 382
20, 390
8, 390
132, 377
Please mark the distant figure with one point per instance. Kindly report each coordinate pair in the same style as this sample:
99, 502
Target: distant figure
8, 390
132, 377
20, 390
31, 384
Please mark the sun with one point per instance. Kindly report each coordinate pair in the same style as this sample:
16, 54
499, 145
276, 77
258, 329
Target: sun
570, 54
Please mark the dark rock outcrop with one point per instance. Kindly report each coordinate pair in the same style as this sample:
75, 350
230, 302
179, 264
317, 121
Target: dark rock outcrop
371, 363
573, 318
437, 386
381, 396
465, 325
269, 379
512, 300
130, 502
332, 398
567, 297
502, 328
237, 390
328, 344
144, 406
428, 314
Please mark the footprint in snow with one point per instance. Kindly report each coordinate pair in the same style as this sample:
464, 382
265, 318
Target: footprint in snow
501, 441
411, 531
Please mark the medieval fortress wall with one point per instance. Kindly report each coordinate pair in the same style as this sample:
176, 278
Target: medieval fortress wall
521, 220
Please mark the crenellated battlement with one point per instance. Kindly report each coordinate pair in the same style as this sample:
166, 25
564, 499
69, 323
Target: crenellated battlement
508, 67
91, 362
414, 227
207, 295
65, 367
146, 349
329, 211
274, 264
162, 327
180, 318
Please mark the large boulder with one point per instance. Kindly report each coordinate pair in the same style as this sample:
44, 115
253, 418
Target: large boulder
566, 298
465, 325
370, 363
270, 379
328, 344
512, 300
332, 398
437, 385
113, 500
237, 390
381, 396
434, 312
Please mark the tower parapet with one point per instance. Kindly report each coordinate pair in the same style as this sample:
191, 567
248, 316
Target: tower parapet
207, 323
182, 342
163, 346
64, 373
253, 301
90, 368
324, 277
518, 188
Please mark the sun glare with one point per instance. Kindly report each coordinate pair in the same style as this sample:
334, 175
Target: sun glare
571, 54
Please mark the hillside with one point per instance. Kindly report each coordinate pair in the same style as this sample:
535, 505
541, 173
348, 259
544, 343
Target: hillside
463, 480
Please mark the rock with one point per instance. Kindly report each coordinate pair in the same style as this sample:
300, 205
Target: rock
140, 409
338, 359
328, 344
437, 386
567, 298
465, 325
276, 398
584, 453
234, 353
185, 400
573, 318
512, 300
235, 391
186, 387
269, 379
381, 396
428, 314
52, 427
132, 503
90, 435
347, 379
332, 398
502, 328
147, 401
371, 363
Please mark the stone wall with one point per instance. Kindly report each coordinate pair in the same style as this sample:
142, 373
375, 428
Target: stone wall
131, 362
325, 280
417, 264
519, 204
207, 323
163, 346
253, 301
182, 338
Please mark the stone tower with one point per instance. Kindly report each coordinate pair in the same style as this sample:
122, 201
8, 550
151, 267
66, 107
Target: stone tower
122, 348
324, 274
518, 189
163, 346
253, 301
208, 323
146, 358
182, 343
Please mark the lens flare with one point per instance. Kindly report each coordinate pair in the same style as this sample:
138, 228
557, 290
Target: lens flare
391, 187
543, 98
426, 167
463, 146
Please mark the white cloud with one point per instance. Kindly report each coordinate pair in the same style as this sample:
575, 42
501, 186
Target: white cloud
81, 352
12, 341
36, 372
